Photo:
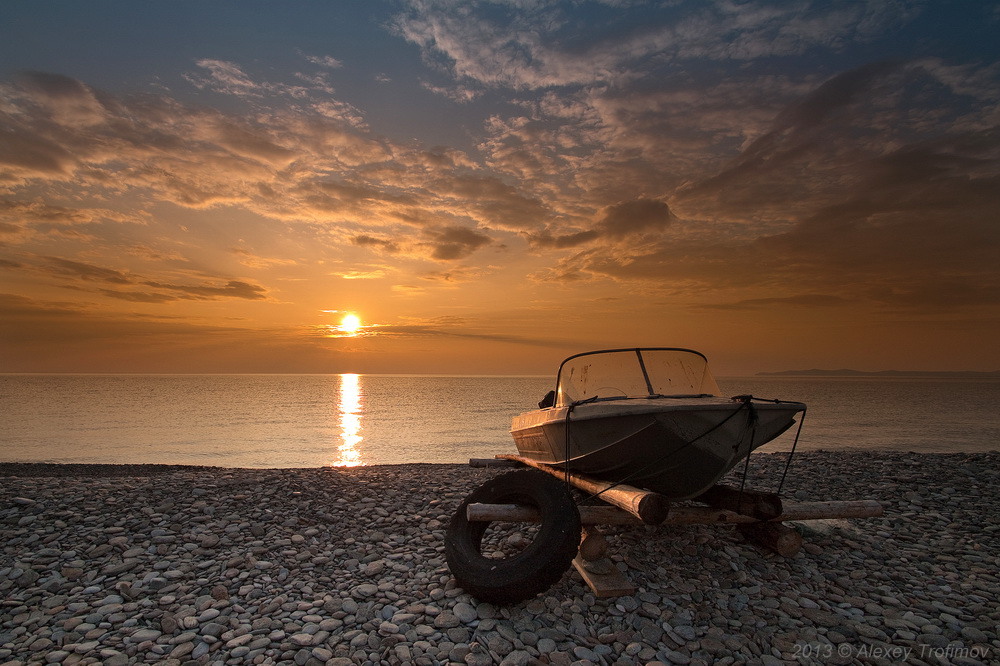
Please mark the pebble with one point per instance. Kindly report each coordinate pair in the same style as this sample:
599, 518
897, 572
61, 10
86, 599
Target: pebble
120, 564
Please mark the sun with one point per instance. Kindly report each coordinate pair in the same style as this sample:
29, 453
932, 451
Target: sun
350, 324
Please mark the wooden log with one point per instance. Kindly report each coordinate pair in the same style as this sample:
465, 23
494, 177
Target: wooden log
516, 513
760, 505
778, 537
649, 507
680, 515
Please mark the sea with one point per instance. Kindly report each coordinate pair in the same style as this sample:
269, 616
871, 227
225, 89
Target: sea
294, 421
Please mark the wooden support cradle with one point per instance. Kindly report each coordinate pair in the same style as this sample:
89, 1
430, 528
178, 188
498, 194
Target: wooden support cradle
758, 515
683, 515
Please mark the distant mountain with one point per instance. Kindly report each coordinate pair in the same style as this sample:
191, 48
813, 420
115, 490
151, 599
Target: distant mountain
844, 372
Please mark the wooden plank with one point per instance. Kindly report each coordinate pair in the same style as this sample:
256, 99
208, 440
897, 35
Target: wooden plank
649, 507
681, 515
604, 578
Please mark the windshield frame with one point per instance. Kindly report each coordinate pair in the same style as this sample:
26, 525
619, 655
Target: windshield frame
561, 399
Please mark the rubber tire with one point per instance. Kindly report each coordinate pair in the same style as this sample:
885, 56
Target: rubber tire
537, 567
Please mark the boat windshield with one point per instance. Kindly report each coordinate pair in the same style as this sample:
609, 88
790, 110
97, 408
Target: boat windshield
634, 373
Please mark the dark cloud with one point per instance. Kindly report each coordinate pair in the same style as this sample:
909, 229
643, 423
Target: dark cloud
450, 243
26, 322
140, 296
438, 330
809, 131
801, 300
383, 244
497, 204
8, 228
57, 87
546, 239
617, 221
16, 306
232, 289
32, 155
35, 213
88, 271
635, 216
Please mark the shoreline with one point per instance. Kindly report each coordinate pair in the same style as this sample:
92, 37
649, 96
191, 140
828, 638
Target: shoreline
70, 469
188, 564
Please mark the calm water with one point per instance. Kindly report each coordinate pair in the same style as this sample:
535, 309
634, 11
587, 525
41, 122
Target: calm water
315, 420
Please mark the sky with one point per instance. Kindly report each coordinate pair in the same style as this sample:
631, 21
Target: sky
485, 187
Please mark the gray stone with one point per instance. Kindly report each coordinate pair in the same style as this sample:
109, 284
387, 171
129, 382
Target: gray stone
212, 629
516, 658
364, 591
465, 613
446, 621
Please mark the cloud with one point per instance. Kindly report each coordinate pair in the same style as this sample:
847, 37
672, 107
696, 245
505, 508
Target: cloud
232, 289
41, 215
447, 327
383, 244
139, 296
89, 272
46, 336
445, 243
617, 222
253, 260
450, 243
328, 62
66, 101
459, 94
27, 323
798, 301
635, 149
25, 156
635, 216
225, 77
542, 45
85, 272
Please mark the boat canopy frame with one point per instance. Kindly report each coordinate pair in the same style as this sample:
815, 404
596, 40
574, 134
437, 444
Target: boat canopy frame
687, 368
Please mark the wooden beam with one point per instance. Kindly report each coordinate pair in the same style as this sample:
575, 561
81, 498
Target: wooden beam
756, 503
777, 537
649, 507
680, 515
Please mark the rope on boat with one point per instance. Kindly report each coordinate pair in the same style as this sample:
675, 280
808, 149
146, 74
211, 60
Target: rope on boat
795, 442
752, 426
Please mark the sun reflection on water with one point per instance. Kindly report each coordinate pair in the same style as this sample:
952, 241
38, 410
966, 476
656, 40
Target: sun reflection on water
349, 449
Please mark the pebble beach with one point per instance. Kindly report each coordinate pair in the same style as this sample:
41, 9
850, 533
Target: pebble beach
119, 564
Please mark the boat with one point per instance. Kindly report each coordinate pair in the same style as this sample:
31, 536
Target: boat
650, 417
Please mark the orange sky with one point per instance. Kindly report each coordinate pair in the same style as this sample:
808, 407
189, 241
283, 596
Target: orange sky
489, 191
